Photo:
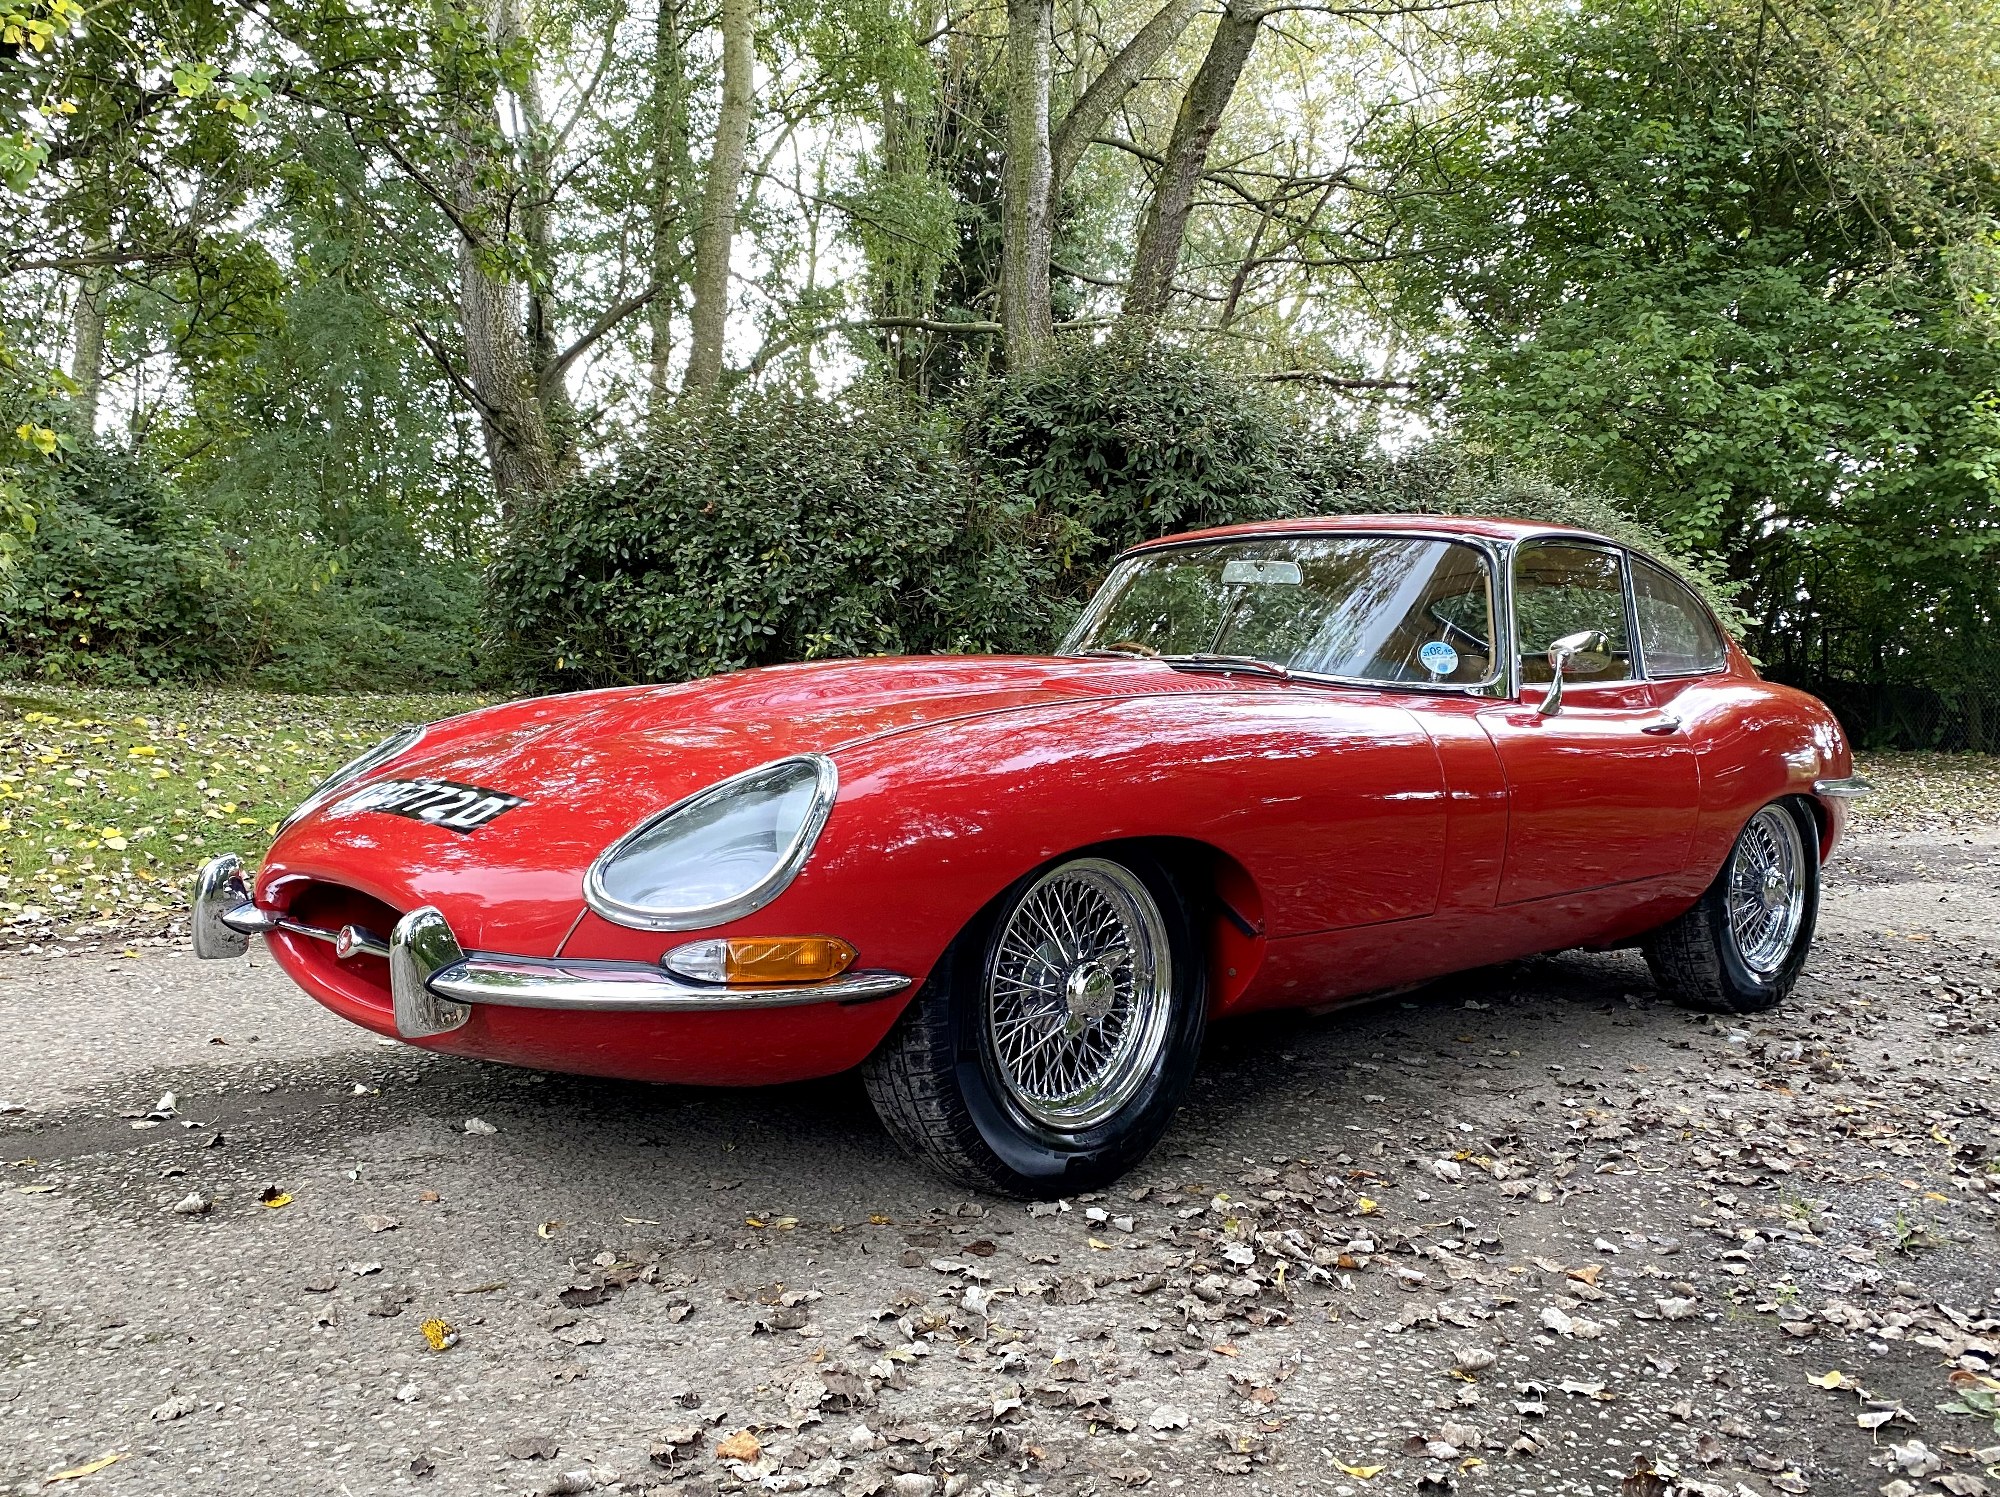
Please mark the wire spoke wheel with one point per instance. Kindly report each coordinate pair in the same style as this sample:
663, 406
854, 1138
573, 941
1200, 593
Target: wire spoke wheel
1767, 890
1078, 993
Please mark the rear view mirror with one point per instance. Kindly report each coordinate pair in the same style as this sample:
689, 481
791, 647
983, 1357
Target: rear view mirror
1262, 574
1586, 653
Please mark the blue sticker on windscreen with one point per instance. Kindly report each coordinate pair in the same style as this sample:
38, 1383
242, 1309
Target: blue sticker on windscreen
1439, 658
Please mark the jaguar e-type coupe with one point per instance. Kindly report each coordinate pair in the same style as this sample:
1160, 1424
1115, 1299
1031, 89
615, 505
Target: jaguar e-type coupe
1279, 765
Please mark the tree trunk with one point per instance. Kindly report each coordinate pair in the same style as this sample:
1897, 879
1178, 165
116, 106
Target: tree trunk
86, 365
671, 169
538, 190
709, 317
1165, 226
1120, 76
1027, 230
499, 365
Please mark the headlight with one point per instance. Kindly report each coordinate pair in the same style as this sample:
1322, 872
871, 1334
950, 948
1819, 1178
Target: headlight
389, 748
719, 854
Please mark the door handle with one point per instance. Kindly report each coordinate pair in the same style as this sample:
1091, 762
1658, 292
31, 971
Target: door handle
1663, 727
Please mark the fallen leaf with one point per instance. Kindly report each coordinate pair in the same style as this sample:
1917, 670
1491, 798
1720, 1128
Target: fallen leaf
741, 1446
274, 1199
1364, 1473
441, 1334
89, 1468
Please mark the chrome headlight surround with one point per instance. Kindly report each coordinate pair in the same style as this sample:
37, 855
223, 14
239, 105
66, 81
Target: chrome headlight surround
394, 746
788, 860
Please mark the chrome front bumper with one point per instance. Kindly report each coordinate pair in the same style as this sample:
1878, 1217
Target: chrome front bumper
1848, 787
434, 983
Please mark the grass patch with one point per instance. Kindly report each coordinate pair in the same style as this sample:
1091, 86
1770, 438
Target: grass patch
110, 800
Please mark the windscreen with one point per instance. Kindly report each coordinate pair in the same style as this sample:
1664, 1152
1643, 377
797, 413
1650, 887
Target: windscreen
1379, 608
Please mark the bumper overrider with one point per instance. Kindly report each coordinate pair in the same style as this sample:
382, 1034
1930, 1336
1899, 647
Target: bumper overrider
434, 983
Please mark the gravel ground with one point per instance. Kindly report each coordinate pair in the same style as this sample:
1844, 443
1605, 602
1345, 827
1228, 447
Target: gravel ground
1527, 1231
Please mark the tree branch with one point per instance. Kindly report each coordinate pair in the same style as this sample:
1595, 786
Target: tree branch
616, 313
442, 355
772, 351
1120, 76
1331, 381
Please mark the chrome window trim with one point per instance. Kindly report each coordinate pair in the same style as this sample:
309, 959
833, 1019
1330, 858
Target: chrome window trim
1590, 542
825, 786
1699, 602
1494, 553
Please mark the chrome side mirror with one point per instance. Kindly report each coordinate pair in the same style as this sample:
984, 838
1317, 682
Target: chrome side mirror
1588, 651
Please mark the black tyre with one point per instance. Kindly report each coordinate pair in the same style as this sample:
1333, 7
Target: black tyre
1739, 950
1052, 1045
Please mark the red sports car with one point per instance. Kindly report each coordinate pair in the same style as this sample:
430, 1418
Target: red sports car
1278, 765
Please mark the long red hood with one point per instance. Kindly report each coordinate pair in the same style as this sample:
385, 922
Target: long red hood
587, 767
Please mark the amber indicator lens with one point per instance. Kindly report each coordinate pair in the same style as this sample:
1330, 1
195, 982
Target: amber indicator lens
761, 960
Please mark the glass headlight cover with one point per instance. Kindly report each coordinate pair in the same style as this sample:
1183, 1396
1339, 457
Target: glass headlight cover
397, 743
719, 854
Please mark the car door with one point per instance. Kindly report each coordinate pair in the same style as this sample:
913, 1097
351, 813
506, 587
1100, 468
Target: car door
1605, 791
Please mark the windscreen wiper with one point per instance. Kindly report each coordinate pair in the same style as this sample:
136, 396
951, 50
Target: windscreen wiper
1248, 664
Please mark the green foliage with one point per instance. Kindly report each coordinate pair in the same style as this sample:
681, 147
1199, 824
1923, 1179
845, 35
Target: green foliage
128, 582
779, 528
380, 614
1762, 326
122, 584
1112, 444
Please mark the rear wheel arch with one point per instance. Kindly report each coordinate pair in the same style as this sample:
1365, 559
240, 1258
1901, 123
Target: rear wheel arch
1698, 958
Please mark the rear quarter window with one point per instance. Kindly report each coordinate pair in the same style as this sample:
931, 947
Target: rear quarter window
1675, 631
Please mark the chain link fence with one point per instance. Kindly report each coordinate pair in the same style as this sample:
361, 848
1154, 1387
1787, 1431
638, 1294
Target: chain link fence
1957, 717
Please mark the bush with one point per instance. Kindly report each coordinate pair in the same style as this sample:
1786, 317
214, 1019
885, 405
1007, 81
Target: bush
1112, 444
121, 584
776, 528
786, 528
127, 583
377, 614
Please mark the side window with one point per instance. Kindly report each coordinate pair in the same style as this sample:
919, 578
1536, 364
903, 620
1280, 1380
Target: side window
1562, 588
1675, 631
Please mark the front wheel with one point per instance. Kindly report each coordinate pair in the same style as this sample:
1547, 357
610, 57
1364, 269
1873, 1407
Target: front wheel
1740, 949
1049, 1050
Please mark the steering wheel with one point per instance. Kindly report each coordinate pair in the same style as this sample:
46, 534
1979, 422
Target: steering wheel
1450, 627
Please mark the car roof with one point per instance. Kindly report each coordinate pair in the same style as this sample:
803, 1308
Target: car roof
1487, 527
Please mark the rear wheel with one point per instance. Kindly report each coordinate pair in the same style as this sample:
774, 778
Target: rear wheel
1049, 1050
1741, 947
